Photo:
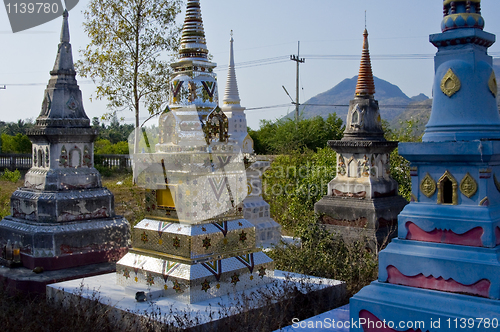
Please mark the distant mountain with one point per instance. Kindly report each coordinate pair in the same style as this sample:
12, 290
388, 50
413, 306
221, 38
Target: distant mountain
416, 110
395, 106
337, 100
421, 109
420, 97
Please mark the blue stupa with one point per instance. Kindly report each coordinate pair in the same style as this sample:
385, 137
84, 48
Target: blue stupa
442, 272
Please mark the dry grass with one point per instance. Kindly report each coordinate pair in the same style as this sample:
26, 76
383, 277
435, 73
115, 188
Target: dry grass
6, 190
33, 313
281, 304
129, 199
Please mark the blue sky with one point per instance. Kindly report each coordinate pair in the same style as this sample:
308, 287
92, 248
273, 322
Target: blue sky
399, 33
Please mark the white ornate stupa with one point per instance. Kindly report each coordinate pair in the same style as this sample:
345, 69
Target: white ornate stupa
194, 243
256, 210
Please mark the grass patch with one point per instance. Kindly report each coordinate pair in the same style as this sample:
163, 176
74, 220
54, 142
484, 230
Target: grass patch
282, 302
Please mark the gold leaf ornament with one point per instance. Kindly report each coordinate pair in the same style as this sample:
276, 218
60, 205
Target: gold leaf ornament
468, 186
450, 84
497, 183
492, 84
428, 186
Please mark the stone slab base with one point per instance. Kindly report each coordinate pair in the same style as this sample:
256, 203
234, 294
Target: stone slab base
192, 283
73, 260
369, 213
217, 314
422, 310
70, 244
373, 239
25, 280
373, 221
336, 320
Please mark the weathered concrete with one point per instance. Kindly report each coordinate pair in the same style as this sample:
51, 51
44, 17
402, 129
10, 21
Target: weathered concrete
25, 280
362, 203
292, 292
63, 217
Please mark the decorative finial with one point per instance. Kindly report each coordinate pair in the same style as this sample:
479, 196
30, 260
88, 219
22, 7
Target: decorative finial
365, 19
65, 28
193, 43
64, 59
462, 14
366, 85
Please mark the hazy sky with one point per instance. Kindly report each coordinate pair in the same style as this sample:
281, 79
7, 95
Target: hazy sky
266, 34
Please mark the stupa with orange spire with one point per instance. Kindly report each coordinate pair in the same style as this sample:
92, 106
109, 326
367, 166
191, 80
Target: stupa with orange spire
362, 200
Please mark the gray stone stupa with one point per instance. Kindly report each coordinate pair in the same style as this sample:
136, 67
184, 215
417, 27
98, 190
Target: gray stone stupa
63, 216
362, 201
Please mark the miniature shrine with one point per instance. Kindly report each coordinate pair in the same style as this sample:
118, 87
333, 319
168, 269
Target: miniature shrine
63, 217
362, 203
194, 243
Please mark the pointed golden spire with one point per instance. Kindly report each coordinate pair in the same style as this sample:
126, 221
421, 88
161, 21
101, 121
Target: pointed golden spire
366, 85
193, 43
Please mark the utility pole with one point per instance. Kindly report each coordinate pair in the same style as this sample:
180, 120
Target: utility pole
299, 61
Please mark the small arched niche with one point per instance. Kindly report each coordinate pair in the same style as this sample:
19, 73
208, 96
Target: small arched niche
352, 168
447, 189
75, 157
40, 158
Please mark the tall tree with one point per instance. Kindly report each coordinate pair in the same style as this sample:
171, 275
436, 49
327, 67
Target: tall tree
126, 54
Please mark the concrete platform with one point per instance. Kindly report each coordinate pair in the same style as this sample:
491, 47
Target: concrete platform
25, 280
336, 320
210, 315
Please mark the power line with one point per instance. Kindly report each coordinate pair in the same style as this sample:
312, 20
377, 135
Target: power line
266, 107
285, 58
380, 106
34, 84
340, 105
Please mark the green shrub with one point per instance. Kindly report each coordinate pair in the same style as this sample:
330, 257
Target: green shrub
4, 206
409, 131
297, 180
11, 176
104, 146
285, 135
16, 144
325, 255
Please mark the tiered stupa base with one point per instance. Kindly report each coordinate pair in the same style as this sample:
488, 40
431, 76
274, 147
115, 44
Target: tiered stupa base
257, 210
193, 262
421, 310
372, 221
68, 244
